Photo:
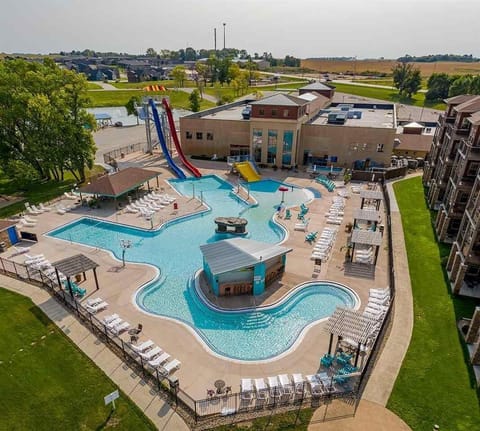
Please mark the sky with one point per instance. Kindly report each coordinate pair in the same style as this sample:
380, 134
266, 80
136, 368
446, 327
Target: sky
302, 28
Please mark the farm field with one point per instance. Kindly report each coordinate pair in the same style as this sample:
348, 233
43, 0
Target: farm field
385, 66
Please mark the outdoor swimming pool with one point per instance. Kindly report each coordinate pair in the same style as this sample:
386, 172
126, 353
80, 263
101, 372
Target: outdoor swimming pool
247, 335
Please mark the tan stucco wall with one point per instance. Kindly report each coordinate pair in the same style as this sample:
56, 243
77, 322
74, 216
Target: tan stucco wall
225, 134
347, 143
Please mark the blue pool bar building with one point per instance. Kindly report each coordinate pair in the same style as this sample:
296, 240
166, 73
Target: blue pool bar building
242, 266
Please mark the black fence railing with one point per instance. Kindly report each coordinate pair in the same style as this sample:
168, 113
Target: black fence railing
340, 398
119, 153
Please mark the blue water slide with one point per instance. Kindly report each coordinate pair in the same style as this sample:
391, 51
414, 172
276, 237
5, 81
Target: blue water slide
178, 172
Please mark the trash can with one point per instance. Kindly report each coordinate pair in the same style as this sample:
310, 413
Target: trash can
3, 246
175, 206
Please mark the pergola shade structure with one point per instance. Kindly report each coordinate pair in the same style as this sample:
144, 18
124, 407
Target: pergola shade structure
345, 323
119, 183
371, 216
368, 196
73, 265
368, 238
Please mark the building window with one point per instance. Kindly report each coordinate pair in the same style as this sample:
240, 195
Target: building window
209, 136
472, 169
189, 135
261, 112
272, 146
379, 148
199, 135
428, 130
257, 145
274, 112
287, 147
286, 112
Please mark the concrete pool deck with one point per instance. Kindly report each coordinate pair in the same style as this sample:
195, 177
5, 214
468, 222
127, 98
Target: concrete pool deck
200, 368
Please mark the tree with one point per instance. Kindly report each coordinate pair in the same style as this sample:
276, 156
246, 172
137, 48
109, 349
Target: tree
194, 100
406, 78
438, 86
151, 52
461, 85
190, 54
43, 122
179, 75
131, 106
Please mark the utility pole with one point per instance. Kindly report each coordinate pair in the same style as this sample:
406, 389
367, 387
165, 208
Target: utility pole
224, 24
215, 40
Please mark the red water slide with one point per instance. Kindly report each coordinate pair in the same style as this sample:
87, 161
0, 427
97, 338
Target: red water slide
173, 132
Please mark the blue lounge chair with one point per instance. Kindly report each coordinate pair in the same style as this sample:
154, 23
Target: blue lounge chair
288, 214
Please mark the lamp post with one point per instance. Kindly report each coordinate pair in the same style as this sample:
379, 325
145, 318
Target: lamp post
125, 244
224, 24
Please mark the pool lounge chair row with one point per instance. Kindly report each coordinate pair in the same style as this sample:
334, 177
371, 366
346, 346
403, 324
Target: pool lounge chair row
324, 244
282, 386
156, 357
326, 182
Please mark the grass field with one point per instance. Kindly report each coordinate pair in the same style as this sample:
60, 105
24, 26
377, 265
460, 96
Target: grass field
435, 384
178, 99
388, 95
93, 86
385, 66
36, 192
46, 383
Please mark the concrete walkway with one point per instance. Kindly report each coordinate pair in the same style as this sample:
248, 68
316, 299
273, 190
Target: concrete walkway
156, 409
372, 413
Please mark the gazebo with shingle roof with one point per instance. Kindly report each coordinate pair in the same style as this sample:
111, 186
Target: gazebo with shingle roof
74, 265
119, 183
351, 324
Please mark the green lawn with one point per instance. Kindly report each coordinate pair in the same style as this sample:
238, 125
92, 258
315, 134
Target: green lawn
36, 192
46, 383
435, 384
178, 99
386, 94
93, 86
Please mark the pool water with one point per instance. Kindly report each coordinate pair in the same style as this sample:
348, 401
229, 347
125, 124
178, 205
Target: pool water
174, 249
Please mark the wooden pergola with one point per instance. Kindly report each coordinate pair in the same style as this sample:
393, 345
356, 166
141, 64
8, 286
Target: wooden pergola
73, 265
371, 195
346, 323
367, 215
366, 237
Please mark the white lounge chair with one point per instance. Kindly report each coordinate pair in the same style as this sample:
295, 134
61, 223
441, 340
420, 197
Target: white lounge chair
274, 386
150, 354
116, 320
121, 327
131, 209
142, 347
301, 226
298, 383
33, 257
94, 301
159, 360
20, 250
171, 366
286, 384
26, 223
261, 388
97, 307
246, 389
31, 211
70, 196
110, 318
43, 207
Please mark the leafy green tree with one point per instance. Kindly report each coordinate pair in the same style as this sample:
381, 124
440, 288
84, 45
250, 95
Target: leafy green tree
406, 78
151, 52
179, 76
438, 86
190, 54
131, 106
43, 122
461, 85
194, 100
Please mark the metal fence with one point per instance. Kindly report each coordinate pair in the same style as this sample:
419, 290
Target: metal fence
225, 408
120, 152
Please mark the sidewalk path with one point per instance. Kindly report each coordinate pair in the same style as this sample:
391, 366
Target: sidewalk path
156, 409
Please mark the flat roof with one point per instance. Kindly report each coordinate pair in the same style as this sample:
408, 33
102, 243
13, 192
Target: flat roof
366, 237
363, 214
229, 113
371, 115
236, 253
371, 194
